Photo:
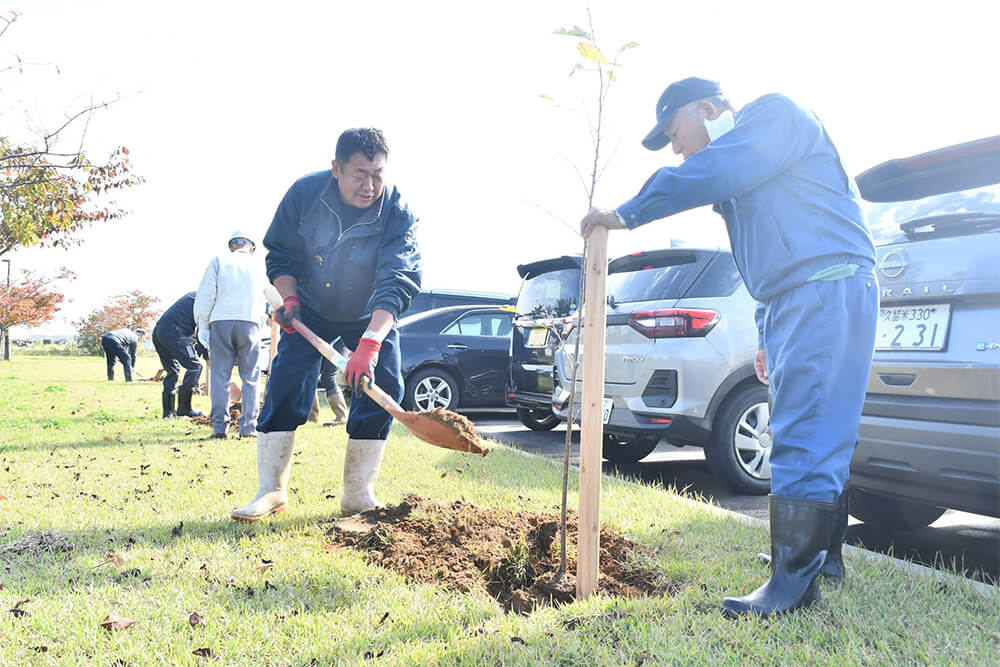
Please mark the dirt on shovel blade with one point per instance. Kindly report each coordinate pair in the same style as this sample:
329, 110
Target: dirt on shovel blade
445, 429
513, 556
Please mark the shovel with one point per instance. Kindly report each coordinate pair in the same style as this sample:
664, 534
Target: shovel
441, 428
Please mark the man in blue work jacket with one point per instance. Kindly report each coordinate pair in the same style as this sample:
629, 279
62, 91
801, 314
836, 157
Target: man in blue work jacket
343, 255
174, 342
803, 246
121, 344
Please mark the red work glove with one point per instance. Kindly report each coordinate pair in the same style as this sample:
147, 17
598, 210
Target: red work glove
362, 362
291, 307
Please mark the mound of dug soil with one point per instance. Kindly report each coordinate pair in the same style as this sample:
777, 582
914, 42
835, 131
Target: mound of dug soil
513, 556
234, 417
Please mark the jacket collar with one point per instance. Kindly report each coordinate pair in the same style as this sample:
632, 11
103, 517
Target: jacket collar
331, 199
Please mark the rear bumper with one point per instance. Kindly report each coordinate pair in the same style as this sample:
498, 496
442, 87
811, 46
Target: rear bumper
681, 429
948, 458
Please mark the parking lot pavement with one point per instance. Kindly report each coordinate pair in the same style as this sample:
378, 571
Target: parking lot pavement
967, 542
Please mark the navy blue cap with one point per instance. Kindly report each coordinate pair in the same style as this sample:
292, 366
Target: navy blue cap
673, 98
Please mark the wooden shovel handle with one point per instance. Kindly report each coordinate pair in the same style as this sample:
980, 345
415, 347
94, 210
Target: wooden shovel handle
338, 360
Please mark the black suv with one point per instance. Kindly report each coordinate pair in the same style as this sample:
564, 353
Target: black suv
548, 295
930, 430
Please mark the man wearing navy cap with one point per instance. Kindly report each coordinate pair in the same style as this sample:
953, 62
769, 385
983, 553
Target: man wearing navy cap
804, 250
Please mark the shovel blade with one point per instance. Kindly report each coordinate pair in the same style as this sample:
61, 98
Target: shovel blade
442, 428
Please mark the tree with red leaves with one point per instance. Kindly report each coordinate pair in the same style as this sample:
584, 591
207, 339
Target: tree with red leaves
31, 302
48, 194
132, 310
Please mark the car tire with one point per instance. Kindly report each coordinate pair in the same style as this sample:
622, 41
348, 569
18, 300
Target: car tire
735, 453
878, 510
628, 449
431, 388
537, 420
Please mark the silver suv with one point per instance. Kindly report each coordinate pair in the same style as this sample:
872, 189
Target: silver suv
681, 340
930, 431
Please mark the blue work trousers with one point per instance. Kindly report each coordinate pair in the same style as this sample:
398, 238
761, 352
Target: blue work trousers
291, 387
177, 351
114, 350
819, 340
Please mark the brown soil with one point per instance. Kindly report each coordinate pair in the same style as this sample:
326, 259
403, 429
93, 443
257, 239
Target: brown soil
458, 433
234, 417
513, 556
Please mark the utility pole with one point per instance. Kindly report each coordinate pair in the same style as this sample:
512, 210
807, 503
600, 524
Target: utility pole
6, 330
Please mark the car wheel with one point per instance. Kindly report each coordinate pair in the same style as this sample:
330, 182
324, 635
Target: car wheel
431, 388
537, 420
740, 450
878, 510
628, 449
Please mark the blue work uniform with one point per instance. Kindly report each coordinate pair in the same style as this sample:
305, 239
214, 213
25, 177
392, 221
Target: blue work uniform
120, 344
802, 245
173, 340
344, 273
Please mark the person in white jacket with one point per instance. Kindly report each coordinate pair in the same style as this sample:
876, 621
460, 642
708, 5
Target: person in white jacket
229, 308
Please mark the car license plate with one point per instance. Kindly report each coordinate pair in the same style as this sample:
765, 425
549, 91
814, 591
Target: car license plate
537, 337
609, 403
923, 327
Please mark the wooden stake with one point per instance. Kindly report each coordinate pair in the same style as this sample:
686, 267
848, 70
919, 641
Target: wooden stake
591, 424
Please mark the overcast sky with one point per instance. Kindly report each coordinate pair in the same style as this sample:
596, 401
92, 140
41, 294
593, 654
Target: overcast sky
225, 104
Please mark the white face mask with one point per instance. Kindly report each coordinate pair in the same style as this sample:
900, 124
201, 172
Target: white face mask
718, 127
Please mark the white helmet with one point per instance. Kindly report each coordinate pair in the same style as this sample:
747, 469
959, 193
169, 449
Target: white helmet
239, 234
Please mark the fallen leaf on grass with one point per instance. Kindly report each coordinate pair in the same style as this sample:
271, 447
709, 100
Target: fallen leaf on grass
112, 623
18, 612
382, 620
202, 652
269, 587
176, 531
263, 564
196, 619
486, 631
40, 649
517, 640
369, 655
111, 559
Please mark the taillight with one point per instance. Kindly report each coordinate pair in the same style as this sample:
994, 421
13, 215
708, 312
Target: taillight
674, 322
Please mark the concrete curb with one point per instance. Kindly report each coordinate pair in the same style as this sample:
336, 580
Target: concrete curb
922, 570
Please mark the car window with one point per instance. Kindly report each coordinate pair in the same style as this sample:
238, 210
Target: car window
666, 279
551, 294
722, 278
886, 219
481, 324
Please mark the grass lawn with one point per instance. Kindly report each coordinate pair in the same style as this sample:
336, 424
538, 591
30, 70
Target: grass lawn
145, 503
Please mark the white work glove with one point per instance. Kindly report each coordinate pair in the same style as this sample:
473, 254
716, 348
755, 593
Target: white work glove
203, 337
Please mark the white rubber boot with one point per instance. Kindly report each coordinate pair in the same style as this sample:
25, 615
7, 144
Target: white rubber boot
361, 464
274, 463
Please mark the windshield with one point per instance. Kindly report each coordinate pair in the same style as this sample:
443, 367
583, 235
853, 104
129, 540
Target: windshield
886, 220
551, 294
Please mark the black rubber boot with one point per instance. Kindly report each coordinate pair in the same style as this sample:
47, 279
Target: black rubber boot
168, 405
833, 567
184, 408
800, 536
